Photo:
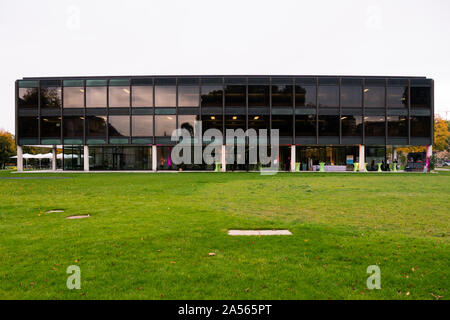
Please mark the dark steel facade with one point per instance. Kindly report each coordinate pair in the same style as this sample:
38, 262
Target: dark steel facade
410, 113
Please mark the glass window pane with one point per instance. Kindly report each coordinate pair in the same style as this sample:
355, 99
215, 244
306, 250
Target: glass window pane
284, 124
351, 125
305, 96
374, 126
119, 126
420, 127
374, 97
305, 125
212, 96
351, 96
142, 96
142, 126
73, 126
397, 97
328, 96
96, 97
28, 127
235, 96
420, 97
119, 96
51, 97
258, 96
96, 126
51, 127
188, 96
259, 122
187, 122
282, 95
73, 97
28, 98
328, 125
165, 96
165, 125
397, 126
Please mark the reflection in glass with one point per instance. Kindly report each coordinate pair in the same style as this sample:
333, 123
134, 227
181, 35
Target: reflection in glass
73, 97
420, 126
397, 97
119, 126
188, 96
142, 96
258, 96
235, 96
420, 97
351, 125
95, 97
351, 96
120, 158
119, 96
284, 124
305, 96
187, 122
211, 96
282, 95
374, 97
165, 96
51, 127
328, 125
96, 126
51, 97
374, 126
397, 126
28, 98
328, 96
142, 126
73, 126
305, 125
165, 125
28, 127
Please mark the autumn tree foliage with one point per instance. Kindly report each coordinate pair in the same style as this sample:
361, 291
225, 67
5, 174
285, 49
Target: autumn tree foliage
7, 148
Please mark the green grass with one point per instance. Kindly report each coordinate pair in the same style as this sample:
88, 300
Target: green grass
149, 236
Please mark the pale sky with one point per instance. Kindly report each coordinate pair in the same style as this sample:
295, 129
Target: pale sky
137, 37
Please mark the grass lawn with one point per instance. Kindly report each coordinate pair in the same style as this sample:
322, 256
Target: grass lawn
149, 235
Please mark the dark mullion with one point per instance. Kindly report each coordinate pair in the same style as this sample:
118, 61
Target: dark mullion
200, 100
317, 111
340, 111
107, 112
409, 111
432, 111
385, 115
153, 103
84, 113
39, 111
130, 112
16, 104
176, 103
293, 112
270, 108
223, 112
62, 124
246, 141
364, 114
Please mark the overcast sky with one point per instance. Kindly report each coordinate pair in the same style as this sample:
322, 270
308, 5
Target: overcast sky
132, 37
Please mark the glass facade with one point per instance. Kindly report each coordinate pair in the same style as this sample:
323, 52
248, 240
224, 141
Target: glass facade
140, 111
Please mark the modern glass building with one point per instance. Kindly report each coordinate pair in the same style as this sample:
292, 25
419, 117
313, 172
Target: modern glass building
126, 122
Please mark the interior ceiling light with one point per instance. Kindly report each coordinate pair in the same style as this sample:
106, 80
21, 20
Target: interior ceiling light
234, 117
213, 118
366, 90
256, 117
126, 91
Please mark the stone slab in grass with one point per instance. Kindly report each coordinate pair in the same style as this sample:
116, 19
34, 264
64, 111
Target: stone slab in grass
55, 211
259, 233
78, 217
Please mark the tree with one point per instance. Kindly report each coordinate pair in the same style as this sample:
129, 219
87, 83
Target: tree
441, 138
7, 148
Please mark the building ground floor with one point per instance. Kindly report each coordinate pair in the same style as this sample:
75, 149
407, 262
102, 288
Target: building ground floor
290, 158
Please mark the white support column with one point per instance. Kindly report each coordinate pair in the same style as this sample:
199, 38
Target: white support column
429, 154
86, 158
362, 158
293, 158
394, 154
154, 158
19, 159
224, 162
54, 158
